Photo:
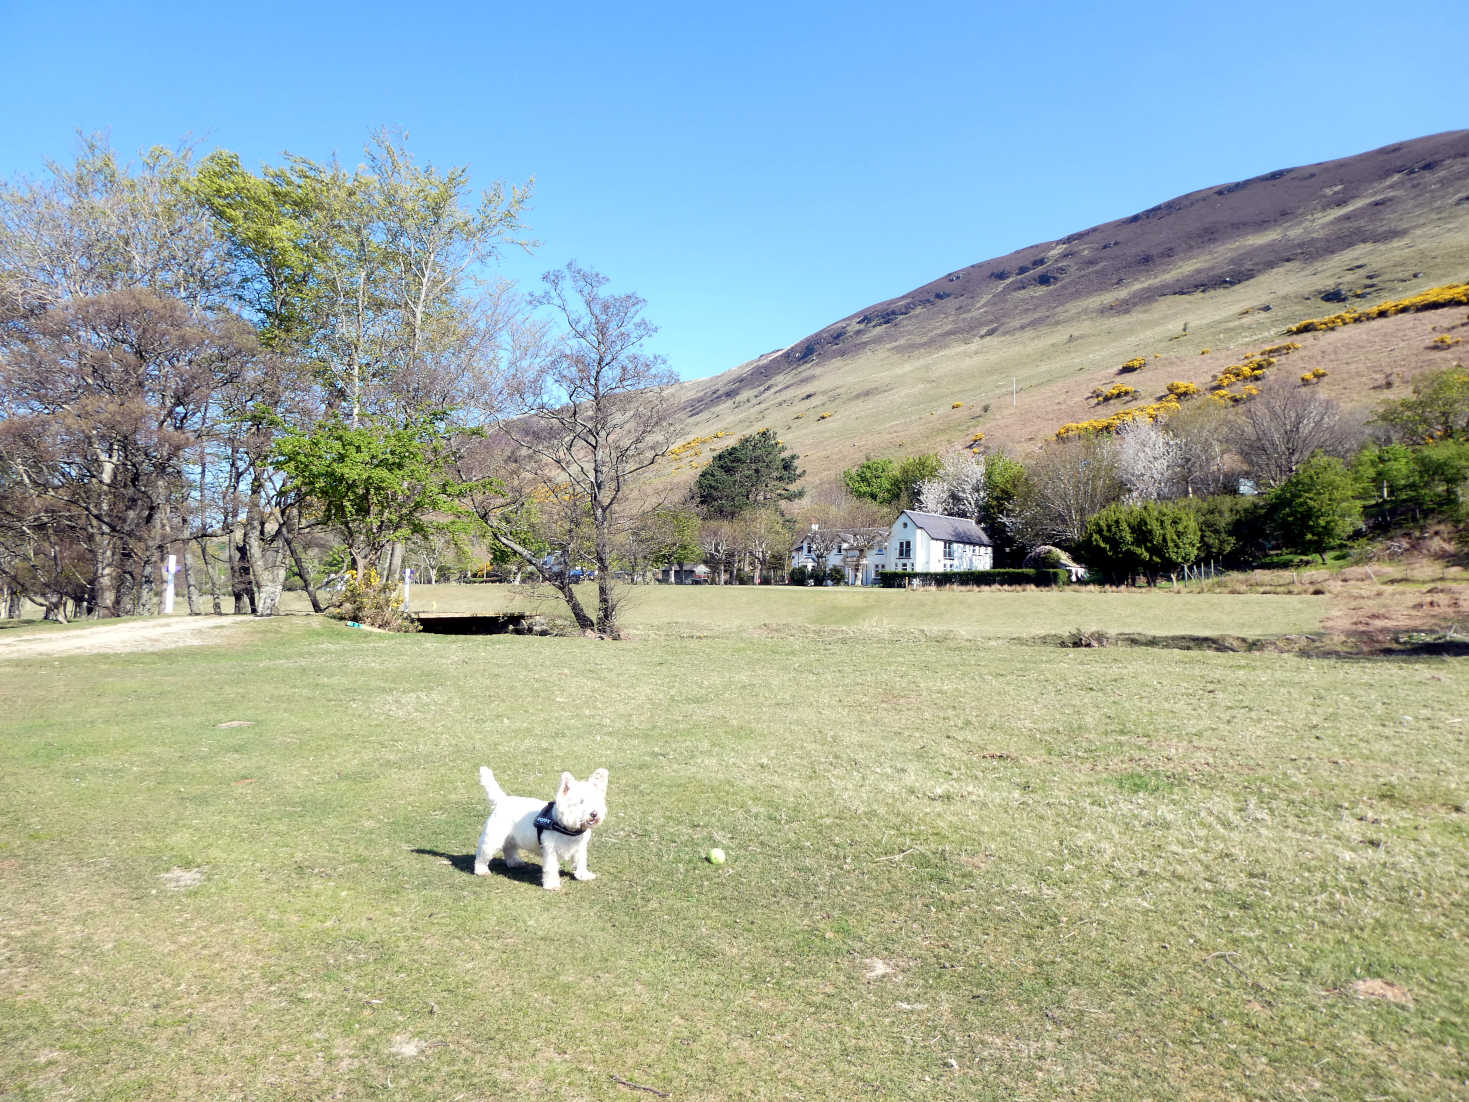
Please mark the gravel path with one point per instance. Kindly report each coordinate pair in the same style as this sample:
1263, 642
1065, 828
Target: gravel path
121, 636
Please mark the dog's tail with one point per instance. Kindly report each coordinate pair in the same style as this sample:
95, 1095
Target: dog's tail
492, 787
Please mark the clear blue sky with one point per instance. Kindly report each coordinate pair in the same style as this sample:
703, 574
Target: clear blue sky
758, 170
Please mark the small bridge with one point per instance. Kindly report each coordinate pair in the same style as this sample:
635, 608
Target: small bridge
472, 623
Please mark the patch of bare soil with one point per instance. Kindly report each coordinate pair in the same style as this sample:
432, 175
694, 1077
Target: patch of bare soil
1417, 602
121, 636
1382, 989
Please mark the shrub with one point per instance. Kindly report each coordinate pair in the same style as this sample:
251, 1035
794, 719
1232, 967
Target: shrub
1435, 298
1315, 508
1113, 392
372, 601
899, 579
1149, 538
1137, 363
1099, 426
1182, 390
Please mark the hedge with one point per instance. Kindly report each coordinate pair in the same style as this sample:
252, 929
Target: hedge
898, 579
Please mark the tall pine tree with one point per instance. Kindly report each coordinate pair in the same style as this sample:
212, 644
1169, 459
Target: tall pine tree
756, 470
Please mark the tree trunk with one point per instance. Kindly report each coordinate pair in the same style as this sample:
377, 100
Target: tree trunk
104, 575
561, 580
288, 532
191, 584
394, 572
209, 577
241, 583
266, 556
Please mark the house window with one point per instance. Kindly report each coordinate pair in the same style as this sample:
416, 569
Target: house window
905, 549
949, 550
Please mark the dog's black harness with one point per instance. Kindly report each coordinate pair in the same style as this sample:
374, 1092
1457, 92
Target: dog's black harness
546, 820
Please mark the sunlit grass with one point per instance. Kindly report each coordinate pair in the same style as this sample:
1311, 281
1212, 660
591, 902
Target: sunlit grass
958, 868
985, 613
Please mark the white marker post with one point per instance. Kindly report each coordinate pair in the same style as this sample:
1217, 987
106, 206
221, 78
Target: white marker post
407, 585
169, 569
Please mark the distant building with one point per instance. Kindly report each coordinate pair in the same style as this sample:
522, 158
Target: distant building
927, 542
684, 573
859, 553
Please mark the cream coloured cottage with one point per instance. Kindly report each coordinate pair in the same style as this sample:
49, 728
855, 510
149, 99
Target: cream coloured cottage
927, 542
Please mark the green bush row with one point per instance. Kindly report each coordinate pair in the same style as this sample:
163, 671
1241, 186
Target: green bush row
897, 579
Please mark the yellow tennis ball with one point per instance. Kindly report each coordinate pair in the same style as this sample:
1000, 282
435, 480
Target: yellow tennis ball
716, 856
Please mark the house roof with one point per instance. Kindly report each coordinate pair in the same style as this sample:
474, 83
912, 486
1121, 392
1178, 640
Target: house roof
956, 529
848, 537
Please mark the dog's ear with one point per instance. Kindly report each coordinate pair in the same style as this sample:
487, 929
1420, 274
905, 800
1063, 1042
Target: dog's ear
567, 780
598, 779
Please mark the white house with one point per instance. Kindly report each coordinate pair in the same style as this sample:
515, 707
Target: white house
859, 553
925, 542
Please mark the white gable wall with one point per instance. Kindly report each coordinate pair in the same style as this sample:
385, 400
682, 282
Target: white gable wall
926, 554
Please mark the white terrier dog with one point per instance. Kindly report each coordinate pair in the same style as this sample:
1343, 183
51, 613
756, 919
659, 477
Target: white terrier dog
558, 830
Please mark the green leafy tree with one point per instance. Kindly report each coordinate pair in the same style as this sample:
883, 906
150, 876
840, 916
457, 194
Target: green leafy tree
872, 480
1150, 538
364, 272
1437, 410
892, 483
1443, 475
1219, 518
668, 536
1387, 479
758, 469
377, 482
1316, 508
1003, 479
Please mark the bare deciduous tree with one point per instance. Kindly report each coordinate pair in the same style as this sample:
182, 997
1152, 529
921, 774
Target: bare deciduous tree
590, 412
1283, 426
111, 396
1064, 487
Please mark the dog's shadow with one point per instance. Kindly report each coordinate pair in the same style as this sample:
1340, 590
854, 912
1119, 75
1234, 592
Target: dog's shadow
464, 862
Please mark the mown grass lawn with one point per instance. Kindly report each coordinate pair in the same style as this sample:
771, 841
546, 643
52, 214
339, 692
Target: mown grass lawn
959, 867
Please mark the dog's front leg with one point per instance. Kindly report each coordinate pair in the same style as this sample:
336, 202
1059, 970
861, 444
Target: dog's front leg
579, 867
550, 867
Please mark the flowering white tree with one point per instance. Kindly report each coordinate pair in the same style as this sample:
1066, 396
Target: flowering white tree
959, 488
1149, 461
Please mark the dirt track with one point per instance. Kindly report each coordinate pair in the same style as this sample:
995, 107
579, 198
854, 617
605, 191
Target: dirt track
122, 636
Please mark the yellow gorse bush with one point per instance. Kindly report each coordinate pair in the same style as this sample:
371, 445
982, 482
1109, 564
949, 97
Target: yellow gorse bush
694, 445
1114, 392
1435, 298
1106, 425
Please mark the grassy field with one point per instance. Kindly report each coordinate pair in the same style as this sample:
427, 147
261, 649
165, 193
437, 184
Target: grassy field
962, 864
993, 614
